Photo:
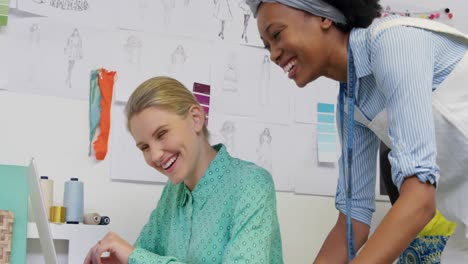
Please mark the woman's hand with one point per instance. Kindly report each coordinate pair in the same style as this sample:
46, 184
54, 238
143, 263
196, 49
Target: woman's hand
118, 249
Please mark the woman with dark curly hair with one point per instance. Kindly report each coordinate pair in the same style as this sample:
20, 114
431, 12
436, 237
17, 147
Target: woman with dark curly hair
402, 84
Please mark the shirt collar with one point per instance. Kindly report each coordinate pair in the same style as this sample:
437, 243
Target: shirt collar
359, 44
207, 184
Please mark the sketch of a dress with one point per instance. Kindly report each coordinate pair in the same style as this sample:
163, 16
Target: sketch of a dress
264, 152
222, 11
264, 81
247, 13
75, 5
74, 52
230, 74
168, 6
178, 58
143, 5
35, 54
133, 47
228, 130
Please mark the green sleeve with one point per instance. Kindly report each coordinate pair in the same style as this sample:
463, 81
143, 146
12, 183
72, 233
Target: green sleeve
255, 233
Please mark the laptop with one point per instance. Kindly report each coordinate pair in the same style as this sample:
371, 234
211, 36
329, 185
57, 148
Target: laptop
40, 215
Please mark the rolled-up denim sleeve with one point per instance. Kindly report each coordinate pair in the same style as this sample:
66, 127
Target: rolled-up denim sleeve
403, 63
365, 146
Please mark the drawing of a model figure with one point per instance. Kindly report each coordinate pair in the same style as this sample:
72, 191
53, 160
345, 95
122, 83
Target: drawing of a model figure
74, 5
74, 52
34, 36
264, 80
178, 58
143, 5
133, 49
168, 6
228, 131
247, 13
230, 74
264, 152
34, 41
222, 12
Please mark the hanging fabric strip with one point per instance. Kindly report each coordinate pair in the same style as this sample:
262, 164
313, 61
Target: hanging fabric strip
94, 107
106, 85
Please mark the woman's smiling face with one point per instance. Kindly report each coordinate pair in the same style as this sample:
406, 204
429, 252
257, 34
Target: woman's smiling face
295, 40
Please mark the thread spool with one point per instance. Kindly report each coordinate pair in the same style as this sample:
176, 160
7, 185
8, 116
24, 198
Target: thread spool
57, 214
47, 187
105, 220
92, 219
73, 201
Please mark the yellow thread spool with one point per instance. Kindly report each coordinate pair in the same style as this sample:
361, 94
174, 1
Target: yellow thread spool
57, 214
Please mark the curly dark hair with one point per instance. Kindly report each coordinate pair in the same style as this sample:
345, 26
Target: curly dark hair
358, 13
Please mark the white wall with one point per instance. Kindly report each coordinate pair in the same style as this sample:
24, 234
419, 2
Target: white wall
55, 132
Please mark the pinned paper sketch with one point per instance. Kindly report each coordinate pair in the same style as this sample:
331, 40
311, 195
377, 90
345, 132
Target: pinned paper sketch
228, 131
264, 150
222, 12
264, 80
230, 74
132, 48
245, 9
70, 53
178, 58
74, 53
326, 133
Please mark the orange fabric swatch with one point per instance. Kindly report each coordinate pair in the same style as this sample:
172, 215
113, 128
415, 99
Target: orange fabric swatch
106, 86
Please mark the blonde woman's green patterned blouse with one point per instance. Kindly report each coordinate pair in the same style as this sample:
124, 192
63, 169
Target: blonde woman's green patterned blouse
229, 217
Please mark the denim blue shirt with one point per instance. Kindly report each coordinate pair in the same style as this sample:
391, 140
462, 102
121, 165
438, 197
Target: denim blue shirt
398, 71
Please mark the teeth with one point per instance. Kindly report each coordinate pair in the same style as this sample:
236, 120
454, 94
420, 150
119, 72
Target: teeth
289, 66
169, 163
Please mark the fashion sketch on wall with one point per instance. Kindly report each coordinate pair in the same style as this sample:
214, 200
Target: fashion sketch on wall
178, 58
228, 131
264, 81
230, 74
35, 51
247, 14
264, 152
132, 48
168, 6
74, 52
222, 12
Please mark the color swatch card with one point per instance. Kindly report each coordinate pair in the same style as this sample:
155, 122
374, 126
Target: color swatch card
202, 94
326, 133
4, 10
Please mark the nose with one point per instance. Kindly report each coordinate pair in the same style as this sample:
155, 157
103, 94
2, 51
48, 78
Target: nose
156, 154
275, 54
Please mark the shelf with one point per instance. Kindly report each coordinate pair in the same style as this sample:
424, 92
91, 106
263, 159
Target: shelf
80, 237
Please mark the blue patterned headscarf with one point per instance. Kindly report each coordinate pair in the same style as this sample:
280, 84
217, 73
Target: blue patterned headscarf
315, 7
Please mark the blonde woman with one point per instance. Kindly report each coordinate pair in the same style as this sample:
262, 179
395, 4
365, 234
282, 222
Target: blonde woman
214, 208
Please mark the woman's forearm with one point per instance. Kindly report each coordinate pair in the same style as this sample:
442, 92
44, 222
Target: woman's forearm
335, 247
413, 210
